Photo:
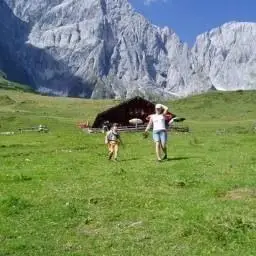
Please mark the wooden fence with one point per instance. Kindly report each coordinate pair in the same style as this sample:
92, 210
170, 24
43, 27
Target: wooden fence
139, 128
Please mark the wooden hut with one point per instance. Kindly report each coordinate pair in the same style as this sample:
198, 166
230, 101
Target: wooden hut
134, 108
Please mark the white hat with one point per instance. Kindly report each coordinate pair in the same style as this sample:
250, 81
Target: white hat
158, 106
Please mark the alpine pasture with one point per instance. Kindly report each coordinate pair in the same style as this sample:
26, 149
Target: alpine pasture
59, 195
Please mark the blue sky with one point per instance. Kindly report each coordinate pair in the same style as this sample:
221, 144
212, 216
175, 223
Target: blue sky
189, 18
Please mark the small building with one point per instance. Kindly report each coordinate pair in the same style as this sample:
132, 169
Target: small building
134, 108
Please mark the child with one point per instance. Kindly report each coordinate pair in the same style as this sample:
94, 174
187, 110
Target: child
113, 140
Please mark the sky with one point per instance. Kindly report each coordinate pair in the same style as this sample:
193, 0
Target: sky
189, 18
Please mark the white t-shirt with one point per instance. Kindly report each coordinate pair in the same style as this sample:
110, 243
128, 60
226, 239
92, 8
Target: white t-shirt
158, 122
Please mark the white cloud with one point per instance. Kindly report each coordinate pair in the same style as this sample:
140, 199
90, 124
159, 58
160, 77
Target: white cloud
148, 2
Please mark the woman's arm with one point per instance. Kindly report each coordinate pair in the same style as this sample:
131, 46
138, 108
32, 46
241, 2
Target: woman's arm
165, 109
150, 123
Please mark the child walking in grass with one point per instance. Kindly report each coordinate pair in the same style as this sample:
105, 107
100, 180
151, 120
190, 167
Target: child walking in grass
112, 140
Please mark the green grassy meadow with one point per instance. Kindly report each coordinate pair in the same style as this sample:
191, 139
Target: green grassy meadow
9, 85
59, 195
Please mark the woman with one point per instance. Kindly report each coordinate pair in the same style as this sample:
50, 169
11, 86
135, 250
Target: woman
158, 121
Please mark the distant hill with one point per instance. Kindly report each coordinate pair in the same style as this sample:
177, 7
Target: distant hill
210, 107
8, 85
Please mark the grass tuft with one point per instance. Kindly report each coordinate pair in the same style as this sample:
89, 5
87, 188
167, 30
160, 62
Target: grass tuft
13, 205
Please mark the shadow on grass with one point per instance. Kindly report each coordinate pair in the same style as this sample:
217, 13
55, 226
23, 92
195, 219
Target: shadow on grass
129, 159
179, 158
169, 159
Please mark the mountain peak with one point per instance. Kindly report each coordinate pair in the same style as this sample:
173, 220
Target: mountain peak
103, 48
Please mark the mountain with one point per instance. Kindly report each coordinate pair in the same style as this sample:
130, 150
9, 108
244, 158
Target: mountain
12, 30
103, 49
228, 55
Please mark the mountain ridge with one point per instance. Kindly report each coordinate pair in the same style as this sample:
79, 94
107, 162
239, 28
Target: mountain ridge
104, 49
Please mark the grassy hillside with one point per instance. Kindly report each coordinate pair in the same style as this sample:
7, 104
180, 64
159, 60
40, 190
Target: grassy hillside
8, 85
60, 195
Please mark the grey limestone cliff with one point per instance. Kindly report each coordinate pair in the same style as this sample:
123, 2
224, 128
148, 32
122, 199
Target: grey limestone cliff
103, 49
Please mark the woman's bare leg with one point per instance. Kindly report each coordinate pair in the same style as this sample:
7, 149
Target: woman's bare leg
158, 148
164, 145
164, 148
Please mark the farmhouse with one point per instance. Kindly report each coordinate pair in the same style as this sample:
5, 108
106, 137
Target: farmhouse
134, 108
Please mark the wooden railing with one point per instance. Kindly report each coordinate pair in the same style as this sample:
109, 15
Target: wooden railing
139, 128
40, 128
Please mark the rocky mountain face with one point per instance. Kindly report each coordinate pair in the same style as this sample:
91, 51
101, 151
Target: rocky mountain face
103, 49
228, 56
12, 31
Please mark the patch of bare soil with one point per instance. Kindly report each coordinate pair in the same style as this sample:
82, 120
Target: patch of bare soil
241, 194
